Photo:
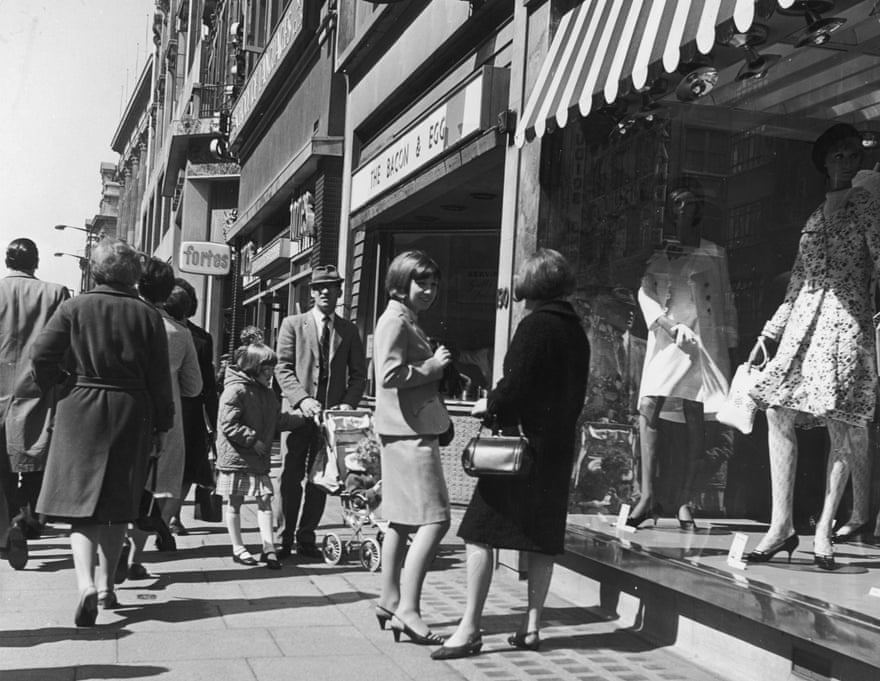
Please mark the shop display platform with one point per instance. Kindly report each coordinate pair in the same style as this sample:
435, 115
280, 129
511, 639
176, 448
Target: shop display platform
835, 612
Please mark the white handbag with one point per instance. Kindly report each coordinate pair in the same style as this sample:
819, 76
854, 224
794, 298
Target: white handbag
739, 408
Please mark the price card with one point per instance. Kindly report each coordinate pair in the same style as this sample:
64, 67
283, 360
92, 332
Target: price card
622, 518
875, 592
737, 548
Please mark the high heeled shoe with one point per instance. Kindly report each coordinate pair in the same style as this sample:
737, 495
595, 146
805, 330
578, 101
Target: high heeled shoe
429, 639
87, 608
841, 537
654, 512
529, 640
825, 561
686, 524
788, 545
470, 647
383, 615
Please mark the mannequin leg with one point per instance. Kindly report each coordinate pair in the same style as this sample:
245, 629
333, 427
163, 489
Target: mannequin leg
848, 444
696, 449
649, 415
860, 476
783, 466
479, 577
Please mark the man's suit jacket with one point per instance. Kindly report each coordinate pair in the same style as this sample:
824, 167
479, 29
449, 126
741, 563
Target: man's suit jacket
299, 357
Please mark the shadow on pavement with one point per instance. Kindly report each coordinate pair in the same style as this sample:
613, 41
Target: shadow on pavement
83, 672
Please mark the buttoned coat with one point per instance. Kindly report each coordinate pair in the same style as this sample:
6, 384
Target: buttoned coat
299, 356
26, 305
407, 377
119, 394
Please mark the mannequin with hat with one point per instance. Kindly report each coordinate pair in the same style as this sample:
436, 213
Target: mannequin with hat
321, 365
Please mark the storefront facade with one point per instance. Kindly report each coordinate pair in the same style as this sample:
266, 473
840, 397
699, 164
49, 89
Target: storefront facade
621, 104
286, 129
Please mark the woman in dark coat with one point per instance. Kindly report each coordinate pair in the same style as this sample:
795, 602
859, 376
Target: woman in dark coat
117, 408
543, 389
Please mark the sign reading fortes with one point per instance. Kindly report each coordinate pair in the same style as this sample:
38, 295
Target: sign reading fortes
447, 124
204, 257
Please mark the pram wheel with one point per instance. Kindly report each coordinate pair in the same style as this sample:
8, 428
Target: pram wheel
332, 549
371, 555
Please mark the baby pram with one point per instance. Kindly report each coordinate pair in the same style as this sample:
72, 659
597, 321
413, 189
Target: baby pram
350, 469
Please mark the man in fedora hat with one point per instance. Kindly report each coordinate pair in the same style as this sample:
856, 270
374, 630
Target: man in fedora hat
321, 365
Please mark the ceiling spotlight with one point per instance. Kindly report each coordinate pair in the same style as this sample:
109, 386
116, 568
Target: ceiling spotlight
697, 83
818, 30
870, 139
756, 65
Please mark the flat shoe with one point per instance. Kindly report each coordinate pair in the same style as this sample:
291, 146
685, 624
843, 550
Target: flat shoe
271, 560
108, 600
470, 647
244, 557
529, 640
16, 547
87, 609
138, 571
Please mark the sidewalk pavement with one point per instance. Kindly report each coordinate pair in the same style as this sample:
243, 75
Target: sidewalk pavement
205, 617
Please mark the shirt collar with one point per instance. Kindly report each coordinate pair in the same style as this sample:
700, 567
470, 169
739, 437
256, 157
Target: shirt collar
319, 317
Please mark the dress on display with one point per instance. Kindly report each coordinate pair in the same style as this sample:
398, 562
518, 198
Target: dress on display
692, 287
824, 366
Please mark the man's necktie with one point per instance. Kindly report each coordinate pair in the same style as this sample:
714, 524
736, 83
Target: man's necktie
325, 343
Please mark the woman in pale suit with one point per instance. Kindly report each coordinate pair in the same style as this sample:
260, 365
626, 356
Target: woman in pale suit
410, 415
155, 287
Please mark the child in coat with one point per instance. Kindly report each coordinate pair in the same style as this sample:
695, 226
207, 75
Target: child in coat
248, 419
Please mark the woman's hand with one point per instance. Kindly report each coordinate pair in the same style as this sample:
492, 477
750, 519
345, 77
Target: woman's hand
442, 355
684, 335
480, 407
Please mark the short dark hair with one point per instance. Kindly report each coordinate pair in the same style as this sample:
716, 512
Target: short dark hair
191, 292
254, 356
115, 261
407, 267
833, 135
157, 281
544, 276
178, 303
22, 255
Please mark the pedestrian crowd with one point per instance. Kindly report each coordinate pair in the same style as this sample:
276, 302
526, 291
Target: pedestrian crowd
110, 409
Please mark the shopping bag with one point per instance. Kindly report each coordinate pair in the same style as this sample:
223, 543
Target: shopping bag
149, 514
208, 505
739, 408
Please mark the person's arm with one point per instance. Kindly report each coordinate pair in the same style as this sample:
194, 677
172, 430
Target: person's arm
190, 375
394, 369
48, 354
230, 419
158, 376
522, 361
285, 371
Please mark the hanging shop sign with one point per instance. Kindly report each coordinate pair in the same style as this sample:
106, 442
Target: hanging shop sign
467, 111
204, 257
302, 217
272, 254
279, 46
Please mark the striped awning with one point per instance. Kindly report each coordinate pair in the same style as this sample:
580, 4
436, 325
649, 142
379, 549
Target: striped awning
603, 46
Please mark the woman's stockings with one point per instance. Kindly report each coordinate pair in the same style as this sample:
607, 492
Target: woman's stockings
783, 466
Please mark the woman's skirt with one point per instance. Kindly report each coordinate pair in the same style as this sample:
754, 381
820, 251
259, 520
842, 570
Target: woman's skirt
413, 486
243, 484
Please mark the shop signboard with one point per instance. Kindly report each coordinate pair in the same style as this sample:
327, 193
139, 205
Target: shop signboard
288, 29
270, 255
446, 125
204, 257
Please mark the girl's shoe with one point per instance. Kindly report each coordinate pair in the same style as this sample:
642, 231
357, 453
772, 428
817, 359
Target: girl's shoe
529, 640
271, 560
244, 557
470, 647
788, 545
429, 639
383, 615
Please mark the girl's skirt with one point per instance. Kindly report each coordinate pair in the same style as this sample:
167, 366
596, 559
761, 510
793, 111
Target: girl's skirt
243, 484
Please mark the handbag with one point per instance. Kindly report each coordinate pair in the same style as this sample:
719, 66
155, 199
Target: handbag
149, 514
739, 408
208, 505
497, 455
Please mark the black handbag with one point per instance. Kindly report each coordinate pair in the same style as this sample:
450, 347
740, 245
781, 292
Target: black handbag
497, 455
208, 505
149, 514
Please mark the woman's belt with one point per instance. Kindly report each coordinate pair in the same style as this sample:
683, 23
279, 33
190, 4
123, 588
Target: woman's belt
128, 384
